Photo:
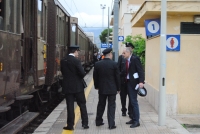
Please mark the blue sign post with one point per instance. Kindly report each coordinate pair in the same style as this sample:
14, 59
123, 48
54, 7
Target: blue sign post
104, 45
120, 38
152, 27
173, 43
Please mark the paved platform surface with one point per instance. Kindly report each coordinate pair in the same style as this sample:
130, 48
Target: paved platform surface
148, 119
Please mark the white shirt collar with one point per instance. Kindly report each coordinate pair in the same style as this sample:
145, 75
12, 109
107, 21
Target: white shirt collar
129, 58
72, 54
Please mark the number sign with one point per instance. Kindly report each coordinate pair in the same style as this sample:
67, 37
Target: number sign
152, 27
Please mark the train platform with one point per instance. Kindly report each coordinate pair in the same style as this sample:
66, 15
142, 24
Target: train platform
148, 118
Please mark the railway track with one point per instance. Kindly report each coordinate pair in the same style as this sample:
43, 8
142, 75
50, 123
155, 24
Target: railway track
30, 127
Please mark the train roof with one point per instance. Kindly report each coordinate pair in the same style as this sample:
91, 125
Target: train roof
65, 11
60, 5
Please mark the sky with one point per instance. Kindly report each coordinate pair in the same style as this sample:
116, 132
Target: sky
88, 12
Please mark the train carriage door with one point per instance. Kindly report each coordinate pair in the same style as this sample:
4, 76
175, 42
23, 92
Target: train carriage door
3, 62
3, 52
51, 42
10, 51
29, 45
60, 40
41, 41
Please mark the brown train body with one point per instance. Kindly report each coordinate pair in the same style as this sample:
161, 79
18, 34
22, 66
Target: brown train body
34, 37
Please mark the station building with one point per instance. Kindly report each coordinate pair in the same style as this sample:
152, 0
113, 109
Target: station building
182, 64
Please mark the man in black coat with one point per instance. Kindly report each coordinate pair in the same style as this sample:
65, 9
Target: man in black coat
107, 82
135, 80
123, 93
73, 88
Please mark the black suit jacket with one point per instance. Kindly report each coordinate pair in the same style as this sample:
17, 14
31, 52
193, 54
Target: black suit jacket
73, 75
122, 69
135, 66
106, 76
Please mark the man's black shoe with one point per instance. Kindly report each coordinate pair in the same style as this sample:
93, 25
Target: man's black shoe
123, 114
113, 127
100, 124
68, 128
85, 126
135, 124
129, 122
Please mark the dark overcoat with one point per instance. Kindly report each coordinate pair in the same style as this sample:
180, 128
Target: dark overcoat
106, 76
73, 74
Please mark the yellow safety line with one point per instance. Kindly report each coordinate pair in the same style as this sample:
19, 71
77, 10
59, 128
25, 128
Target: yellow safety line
77, 110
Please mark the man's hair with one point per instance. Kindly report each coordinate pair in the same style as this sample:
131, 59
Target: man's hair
129, 49
107, 55
72, 50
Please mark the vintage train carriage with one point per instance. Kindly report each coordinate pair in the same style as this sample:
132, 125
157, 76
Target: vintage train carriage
34, 37
82, 42
86, 47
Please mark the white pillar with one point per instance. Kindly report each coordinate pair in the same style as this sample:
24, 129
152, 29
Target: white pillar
162, 86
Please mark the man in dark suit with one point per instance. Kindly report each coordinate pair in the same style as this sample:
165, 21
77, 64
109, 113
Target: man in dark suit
123, 93
107, 82
95, 59
73, 87
135, 79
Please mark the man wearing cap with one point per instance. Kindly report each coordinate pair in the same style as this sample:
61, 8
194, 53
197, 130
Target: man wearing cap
123, 93
135, 79
73, 88
107, 82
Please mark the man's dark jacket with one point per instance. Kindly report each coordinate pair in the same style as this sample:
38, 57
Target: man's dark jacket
122, 69
106, 76
73, 75
135, 66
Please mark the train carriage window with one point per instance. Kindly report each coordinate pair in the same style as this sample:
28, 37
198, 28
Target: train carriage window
10, 15
66, 32
73, 34
57, 35
11, 23
19, 17
60, 29
40, 18
44, 28
1, 13
63, 32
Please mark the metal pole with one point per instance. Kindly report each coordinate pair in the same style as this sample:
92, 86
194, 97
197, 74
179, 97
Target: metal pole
115, 29
108, 29
102, 18
102, 7
162, 91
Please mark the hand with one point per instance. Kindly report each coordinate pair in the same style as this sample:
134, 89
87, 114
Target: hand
141, 85
118, 92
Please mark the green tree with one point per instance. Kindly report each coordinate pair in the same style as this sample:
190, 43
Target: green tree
139, 42
104, 34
